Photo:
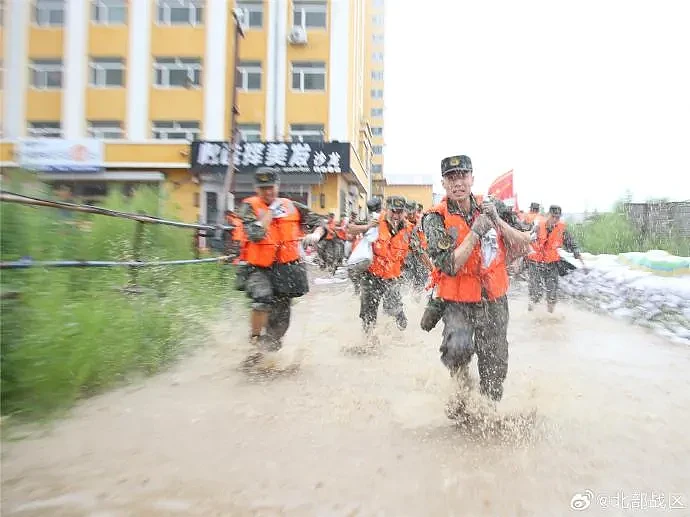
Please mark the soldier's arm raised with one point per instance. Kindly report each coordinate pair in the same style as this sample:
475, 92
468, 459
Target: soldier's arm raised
253, 229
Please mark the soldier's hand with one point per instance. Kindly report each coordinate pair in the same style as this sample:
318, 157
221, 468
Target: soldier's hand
481, 225
489, 209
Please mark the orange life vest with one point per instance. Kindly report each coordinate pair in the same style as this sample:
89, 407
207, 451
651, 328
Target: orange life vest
330, 230
390, 250
341, 232
239, 236
547, 244
466, 286
282, 240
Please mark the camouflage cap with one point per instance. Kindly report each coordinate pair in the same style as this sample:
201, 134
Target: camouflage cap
396, 203
460, 163
555, 210
265, 177
420, 207
411, 206
534, 206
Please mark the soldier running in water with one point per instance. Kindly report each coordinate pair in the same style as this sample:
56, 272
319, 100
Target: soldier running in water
382, 279
468, 246
275, 272
417, 263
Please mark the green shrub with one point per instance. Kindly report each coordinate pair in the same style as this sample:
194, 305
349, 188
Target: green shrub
76, 331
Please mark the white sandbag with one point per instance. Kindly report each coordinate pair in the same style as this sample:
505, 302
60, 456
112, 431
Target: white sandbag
362, 255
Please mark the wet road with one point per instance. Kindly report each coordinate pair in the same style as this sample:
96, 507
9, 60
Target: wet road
352, 434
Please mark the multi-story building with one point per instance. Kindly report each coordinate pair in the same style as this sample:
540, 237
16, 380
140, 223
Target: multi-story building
414, 187
103, 94
374, 89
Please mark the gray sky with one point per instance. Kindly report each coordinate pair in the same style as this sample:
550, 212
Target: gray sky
582, 99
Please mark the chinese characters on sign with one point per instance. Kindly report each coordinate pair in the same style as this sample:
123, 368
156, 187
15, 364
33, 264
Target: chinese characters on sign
287, 157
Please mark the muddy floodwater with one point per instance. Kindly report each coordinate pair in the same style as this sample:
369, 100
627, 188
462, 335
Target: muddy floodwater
351, 434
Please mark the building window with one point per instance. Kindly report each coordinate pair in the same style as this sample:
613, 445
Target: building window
177, 72
377, 56
109, 12
306, 132
377, 20
377, 75
249, 132
180, 12
308, 76
44, 130
377, 149
106, 129
377, 38
175, 130
107, 72
377, 131
46, 73
377, 112
252, 14
310, 15
49, 13
377, 169
249, 76
377, 94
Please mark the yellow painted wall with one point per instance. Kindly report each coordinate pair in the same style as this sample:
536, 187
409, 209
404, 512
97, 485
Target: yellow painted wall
253, 47
45, 42
177, 104
43, 105
331, 187
147, 153
6, 152
178, 41
307, 107
423, 194
108, 41
183, 195
106, 104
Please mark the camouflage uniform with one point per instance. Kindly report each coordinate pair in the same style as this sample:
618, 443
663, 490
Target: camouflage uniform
375, 289
469, 327
258, 281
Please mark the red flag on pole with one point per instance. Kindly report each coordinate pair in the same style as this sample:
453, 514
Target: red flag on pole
502, 188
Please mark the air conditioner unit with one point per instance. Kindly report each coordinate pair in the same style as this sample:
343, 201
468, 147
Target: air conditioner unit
298, 36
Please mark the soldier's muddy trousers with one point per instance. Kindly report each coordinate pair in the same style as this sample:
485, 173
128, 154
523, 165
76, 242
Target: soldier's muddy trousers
374, 289
542, 276
479, 328
260, 290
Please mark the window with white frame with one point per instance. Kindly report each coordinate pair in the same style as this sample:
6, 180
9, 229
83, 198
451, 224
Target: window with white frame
306, 132
377, 57
377, 37
180, 12
109, 12
377, 75
175, 129
377, 112
46, 74
377, 131
252, 13
309, 14
107, 72
377, 20
177, 72
49, 13
249, 132
44, 129
377, 94
377, 169
377, 149
106, 129
249, 76
308, 76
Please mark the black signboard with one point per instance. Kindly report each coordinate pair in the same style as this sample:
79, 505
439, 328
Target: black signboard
297, 158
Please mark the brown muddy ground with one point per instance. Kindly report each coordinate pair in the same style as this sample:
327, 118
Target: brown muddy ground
351, 434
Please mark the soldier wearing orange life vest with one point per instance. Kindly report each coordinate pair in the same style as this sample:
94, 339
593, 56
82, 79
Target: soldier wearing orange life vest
272, 228
548, 235
468, 244
382, 279
417, 264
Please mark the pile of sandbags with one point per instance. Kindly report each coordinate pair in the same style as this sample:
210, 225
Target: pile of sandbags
610, 285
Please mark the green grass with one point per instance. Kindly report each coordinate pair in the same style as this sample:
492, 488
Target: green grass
612, 233
75, 332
